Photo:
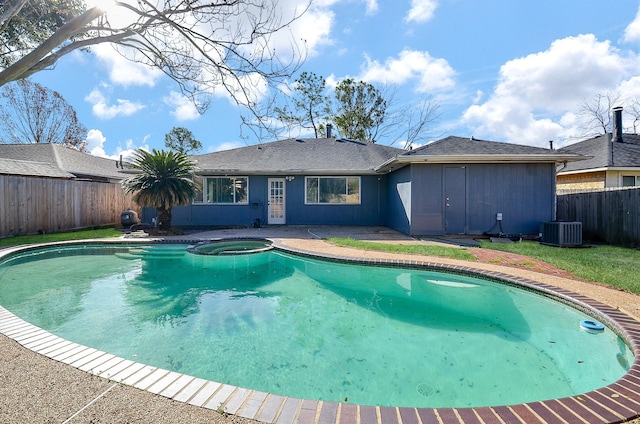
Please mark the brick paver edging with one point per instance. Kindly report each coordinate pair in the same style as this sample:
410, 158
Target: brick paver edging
617, 402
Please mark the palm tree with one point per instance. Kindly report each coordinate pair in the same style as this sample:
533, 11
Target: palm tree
165, 180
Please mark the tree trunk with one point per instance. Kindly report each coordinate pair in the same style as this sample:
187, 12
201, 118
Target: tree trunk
164, 219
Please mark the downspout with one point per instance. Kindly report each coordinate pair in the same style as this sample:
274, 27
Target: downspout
563, 165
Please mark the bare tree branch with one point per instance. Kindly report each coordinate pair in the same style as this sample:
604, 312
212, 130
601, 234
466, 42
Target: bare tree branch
20, 69
597, 112
205, 46
30, 113
633, 109
418, 121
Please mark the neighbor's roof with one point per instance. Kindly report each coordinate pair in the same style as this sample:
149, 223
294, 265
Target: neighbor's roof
65, 159
604, 153
295, 156
32, 169
470, 150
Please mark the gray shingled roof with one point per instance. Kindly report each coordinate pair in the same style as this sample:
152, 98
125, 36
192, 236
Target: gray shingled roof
291, 156
605, 153
470, 150
451, 146
81, 165
32, 169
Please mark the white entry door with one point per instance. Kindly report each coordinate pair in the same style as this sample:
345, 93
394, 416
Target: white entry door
276, 201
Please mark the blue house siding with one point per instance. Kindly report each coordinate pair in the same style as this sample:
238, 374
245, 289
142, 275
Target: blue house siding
523, 193
399, 200
206, 215
427, 200
371, 211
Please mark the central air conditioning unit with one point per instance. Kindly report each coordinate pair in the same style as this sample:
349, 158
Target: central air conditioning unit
564, 234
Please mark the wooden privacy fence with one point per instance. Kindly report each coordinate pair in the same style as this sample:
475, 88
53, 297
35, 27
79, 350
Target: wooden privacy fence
30, 205
611, 216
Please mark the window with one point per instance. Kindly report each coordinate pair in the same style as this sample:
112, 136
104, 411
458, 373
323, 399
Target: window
223, 190
199, 194
332, 190
630, 181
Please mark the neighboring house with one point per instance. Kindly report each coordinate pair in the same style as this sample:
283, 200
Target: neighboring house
613, 161
48, 187
31, 169
56, 161
451, 186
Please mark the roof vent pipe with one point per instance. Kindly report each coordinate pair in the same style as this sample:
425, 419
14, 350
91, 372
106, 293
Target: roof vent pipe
550, 144
617, 124
329, 128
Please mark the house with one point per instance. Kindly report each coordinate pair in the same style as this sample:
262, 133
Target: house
56, 161
613, 161
32, 169
451, 186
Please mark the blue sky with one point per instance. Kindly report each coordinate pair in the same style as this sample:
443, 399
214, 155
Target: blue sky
500, 70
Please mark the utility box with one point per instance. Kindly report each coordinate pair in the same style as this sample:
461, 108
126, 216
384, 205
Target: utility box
560, 233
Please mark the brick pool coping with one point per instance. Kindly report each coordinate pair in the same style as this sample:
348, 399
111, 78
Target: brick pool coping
617, 402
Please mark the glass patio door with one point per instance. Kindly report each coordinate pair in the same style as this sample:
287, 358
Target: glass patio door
276, 201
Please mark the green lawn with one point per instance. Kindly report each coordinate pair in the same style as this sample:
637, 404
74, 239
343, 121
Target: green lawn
416, 249
610, 265
47, 238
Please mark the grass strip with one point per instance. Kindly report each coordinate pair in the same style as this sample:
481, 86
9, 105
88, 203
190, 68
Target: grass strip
416, 249
48, 238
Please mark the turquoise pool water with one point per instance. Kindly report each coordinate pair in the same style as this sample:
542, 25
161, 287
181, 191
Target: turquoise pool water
313, 329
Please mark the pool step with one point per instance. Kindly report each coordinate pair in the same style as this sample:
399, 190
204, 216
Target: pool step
140, 253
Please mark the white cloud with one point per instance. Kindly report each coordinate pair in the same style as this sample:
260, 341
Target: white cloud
103, 110
96, 146
430, 73
95, 143
184, 109
118, 15
632, 32
127, 153
421, 10
552, 83
314, 28
572, 68
372, 6
245, 90
123, 71
332, 81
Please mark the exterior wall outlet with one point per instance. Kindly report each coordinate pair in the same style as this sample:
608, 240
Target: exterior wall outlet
499, 216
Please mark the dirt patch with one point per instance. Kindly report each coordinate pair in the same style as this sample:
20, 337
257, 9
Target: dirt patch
514, 260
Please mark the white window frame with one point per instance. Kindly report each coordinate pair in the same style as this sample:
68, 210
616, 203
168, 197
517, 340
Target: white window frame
346, 178
636, 177
204, 195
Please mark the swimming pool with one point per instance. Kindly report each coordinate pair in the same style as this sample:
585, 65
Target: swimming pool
332, 319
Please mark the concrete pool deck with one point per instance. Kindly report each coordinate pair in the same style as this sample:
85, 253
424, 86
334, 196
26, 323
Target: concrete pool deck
34, 388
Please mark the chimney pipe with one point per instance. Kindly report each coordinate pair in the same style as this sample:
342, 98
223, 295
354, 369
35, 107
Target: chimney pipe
329, 128
551, 144
617, 124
